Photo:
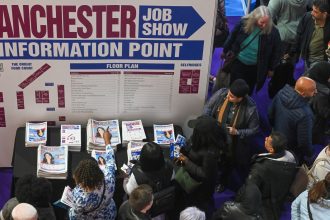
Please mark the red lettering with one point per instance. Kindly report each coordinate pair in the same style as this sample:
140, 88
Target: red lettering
67, 21
112, 21
19, 22
5, 24
54, 22
99, 9
128, 15
37, 9
84, 21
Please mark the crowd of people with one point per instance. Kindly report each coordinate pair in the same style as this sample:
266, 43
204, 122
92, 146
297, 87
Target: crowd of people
220, 145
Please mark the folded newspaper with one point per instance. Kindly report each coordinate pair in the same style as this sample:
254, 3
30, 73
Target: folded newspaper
133, 131
66, 200
35, 134
71, 136
52, 162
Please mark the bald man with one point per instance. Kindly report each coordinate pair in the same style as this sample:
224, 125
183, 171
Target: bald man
24, 211
291, 115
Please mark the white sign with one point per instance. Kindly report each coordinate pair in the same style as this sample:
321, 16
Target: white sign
67, 61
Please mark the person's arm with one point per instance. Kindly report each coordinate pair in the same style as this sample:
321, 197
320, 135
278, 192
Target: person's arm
212, 102
296, 205
253, 126
274, 8
232, 37
274, 59
296, 47
110, 167
304, 135
130, 184
201, 172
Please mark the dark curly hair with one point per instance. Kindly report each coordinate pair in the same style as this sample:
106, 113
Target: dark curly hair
36, 191
88, 174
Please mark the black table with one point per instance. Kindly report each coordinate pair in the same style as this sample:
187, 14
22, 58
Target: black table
24, 161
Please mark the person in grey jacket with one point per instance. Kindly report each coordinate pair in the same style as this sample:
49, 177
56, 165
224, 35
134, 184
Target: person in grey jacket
291, 115
287, 14
237, 112
317, 200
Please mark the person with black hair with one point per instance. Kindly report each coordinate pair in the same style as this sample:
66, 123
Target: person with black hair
36, 191
200, 161
237, 114
138, 204
314, 203
92, 196
273, 173
313, 35
151, 169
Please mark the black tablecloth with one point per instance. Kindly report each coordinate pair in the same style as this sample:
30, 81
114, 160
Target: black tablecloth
24, 161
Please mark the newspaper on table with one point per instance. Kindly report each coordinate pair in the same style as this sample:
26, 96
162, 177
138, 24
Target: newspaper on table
35, 134
133, 131
71, 136
133, 153
175, 147
134, 150
95, 130
164, 134
52, 162
100, 158
66, 200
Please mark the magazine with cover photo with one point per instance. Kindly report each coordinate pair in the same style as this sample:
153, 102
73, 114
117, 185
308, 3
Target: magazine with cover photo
164, 134
134, 150
52, 161
71, 135
100, 158
98, 129
35, 133
175, 147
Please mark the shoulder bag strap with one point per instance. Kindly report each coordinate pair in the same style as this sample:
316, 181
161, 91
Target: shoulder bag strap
254, 37
86, 212
309, 209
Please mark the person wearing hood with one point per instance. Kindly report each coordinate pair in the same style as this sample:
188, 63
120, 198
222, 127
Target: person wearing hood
273, 173
247, 207
290, 114
313, 203
320, 103
287, 14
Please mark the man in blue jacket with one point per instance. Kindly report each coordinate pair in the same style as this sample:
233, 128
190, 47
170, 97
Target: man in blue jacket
291, 115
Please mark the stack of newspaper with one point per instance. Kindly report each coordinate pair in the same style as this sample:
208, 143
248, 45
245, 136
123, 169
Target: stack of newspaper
71, 136
52, 162
133, 153
164, 134
35, 134
133, 131
95, 130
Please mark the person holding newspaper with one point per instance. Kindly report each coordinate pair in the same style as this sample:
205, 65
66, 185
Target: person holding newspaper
94, 189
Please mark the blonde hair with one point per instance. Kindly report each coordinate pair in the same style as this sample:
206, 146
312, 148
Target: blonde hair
251, 19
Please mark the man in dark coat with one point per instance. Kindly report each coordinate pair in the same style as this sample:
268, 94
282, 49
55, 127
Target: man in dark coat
291, 115
273, 173
237, 113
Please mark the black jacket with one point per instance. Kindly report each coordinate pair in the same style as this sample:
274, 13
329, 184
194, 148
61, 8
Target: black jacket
305, 31
268, 54
273, 174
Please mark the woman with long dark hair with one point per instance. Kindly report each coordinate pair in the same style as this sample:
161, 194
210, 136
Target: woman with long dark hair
313, 204
200, 161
